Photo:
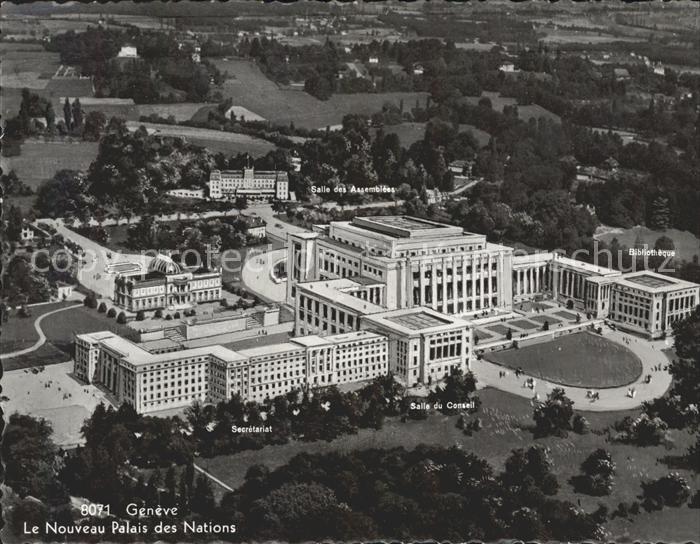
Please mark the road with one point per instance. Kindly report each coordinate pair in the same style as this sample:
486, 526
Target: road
91, 271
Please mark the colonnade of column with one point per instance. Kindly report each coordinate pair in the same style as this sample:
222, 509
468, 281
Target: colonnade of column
529, 281
460, 284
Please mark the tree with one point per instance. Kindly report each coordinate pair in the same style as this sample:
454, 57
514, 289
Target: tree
669, 490
102, 308
121, 318
77, 112
15, 222
660, 214
90, 300
241, 203
95, 122
50, 117
66, 194
597, 474
29, 453
112, 312
203, 496
140, 315
22, 284
67, 115
553, 417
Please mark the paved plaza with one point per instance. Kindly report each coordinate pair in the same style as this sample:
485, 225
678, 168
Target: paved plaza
54, 394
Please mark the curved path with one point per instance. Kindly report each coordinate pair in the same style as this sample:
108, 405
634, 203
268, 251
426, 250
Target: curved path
42, 336
611, 399
257, 275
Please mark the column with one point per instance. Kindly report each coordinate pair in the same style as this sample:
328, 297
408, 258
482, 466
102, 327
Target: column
421, 283
488, 278
444, 286
455, 290
433, 285
481, 279
473, 281
464, 283
517, 279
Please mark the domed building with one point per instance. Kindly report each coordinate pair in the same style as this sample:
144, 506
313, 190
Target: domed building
167, 285
164, 264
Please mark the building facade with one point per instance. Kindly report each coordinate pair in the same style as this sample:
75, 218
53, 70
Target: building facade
350, 269
419, 262
248, 183
166, 285
649, 303
157, 381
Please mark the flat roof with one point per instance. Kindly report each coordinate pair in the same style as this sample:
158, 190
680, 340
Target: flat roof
415, 320
654, 282
595, 269
351, 336
418, 321
336, 291
269, 350
405, 226
647, 280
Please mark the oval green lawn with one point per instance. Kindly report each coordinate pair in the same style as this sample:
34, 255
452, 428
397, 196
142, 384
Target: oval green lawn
581, 360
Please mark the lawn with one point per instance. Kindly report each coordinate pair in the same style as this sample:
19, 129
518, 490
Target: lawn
506, 426
251, 89
542, 318
19, 332
524, 112
40, 160
566, 315
582, 359
79, 320
523, 324
229, 143
499, 329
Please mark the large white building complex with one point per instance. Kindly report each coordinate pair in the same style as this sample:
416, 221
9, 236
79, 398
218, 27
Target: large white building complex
368, 265
158, 381
373, 295
248, 183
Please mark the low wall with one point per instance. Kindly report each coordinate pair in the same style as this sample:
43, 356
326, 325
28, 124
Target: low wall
537, 337
213, 328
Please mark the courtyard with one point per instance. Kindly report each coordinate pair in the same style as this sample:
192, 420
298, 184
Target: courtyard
580, 360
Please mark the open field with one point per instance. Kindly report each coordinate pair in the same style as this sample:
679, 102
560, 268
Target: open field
506, 421
409, 133
582, 359
563, 35
40, 160
251, 89
524, 112
24, 66
215, 140
687, 245
181, 112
